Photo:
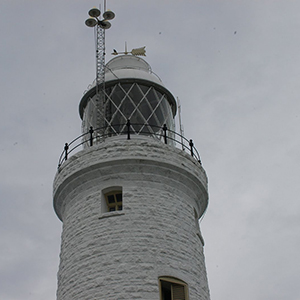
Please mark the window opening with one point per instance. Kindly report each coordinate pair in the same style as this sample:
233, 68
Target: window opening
172, 289
114, 200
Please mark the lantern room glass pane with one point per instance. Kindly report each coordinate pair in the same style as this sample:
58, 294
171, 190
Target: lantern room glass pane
146, 108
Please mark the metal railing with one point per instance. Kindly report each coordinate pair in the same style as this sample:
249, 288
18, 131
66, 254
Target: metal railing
163, 133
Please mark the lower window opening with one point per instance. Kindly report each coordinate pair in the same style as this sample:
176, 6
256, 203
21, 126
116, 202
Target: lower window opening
172, 289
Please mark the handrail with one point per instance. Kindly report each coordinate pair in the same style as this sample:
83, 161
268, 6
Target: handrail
164, 133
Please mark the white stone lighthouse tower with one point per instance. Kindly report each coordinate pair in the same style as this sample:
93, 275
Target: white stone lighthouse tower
131, 198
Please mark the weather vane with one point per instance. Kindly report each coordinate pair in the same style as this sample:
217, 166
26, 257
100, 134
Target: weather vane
137, 51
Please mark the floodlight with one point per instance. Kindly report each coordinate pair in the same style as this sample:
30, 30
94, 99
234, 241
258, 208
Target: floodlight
91, 22
94, 12
104, 24
108, 15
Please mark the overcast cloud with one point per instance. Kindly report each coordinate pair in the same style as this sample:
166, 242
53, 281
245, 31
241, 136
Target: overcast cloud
235, 66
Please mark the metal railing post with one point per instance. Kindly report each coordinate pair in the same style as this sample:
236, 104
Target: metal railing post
165, 133
66, 150
128, 129
91, 131
191, 147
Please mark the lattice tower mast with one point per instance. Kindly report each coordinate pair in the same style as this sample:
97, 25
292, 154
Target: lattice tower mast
99, 32
100, 76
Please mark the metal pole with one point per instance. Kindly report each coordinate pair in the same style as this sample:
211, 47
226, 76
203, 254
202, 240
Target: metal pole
191, 146
128, 129
66, 150
91, 131
165, 133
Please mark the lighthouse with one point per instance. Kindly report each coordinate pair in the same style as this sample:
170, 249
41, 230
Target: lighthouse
130, 192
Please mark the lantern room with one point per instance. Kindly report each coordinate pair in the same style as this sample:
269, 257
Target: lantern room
131, 91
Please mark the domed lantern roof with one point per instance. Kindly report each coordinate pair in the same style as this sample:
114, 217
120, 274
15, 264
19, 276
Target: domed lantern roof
130, 66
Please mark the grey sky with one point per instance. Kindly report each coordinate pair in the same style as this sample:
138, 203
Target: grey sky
235, 66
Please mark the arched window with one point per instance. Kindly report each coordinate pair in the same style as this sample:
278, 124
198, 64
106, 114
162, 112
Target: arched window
171, 288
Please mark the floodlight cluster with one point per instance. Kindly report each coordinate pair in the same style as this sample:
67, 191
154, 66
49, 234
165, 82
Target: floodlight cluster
94, 20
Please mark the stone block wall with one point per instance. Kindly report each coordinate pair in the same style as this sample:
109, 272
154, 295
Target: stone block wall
121, 255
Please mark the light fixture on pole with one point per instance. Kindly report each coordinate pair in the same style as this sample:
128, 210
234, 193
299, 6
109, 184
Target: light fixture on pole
94, 13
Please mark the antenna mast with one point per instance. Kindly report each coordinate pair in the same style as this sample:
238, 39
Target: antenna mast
180, 124
99, 30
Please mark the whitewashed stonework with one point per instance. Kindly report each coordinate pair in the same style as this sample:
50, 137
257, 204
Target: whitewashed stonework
121, 255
